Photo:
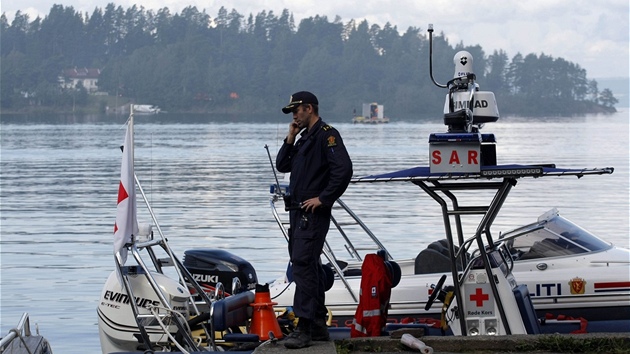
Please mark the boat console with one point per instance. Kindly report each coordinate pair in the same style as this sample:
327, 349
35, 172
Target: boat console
487, 297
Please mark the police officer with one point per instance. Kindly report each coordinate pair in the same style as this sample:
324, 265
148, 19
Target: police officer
321, 170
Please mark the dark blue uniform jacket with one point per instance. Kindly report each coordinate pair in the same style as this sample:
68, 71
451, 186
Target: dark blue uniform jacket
319, 164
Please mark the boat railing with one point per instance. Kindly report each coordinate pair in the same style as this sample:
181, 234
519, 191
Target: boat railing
278, 193
357, 221
22, 330
183, 274
342, 217
147, 243
327, 250
168, 312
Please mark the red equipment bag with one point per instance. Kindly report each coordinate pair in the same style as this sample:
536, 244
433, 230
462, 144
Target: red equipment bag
376, 288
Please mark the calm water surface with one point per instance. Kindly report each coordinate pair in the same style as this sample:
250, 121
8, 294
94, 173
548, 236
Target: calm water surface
208, 184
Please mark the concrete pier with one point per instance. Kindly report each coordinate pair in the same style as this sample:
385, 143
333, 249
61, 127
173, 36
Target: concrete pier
450, 344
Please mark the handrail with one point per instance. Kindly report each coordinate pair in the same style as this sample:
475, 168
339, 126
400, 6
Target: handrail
23, 329
364, 227
326, 251
135, 246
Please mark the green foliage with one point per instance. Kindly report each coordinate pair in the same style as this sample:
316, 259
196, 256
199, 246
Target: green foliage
190, 61
607, 99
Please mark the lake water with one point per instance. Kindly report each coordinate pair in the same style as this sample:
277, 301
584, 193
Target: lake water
208, 183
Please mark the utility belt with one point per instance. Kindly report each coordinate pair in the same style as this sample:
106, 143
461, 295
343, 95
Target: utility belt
289, 204
291, 201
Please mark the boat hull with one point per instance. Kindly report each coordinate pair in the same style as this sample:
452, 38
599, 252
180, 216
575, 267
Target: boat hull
584, 287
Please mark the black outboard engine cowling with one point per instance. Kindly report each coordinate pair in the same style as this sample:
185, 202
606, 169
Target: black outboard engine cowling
210, 266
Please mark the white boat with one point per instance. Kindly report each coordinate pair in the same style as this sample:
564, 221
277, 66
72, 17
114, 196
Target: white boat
20, 339
161, 304
153, 303
567, 271
146, 109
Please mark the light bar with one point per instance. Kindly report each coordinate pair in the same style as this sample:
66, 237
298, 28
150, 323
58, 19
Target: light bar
513, 172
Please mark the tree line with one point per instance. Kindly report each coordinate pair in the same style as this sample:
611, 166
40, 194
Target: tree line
193, 62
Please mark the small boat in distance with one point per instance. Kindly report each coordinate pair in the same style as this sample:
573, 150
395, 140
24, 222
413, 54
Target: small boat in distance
145, 109
372, 114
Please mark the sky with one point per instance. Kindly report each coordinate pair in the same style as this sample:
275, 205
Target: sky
592, 34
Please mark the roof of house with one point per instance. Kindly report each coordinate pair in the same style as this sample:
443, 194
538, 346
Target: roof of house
82, 73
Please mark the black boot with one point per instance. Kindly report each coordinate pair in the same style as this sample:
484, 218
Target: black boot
301, 337
319, 330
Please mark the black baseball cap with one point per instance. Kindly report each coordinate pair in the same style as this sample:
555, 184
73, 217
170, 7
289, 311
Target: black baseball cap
298, 98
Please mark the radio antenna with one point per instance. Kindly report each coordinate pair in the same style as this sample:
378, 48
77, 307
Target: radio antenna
273, 169
430, 30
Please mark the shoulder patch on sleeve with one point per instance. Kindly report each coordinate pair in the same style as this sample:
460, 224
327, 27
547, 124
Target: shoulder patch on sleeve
331, 141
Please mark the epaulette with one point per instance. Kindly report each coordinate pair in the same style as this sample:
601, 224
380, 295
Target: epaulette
331, 138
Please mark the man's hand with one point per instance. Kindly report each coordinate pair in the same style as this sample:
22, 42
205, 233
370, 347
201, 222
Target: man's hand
310, 205
294, 130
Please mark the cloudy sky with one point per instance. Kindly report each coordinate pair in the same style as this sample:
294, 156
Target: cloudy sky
593, 34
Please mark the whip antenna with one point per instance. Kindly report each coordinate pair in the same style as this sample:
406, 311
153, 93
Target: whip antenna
430, 30
273, 169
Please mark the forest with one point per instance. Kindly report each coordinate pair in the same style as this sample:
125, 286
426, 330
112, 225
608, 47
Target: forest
235, 63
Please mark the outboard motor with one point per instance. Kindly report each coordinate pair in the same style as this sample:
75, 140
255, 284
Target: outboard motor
211, 266
118, 329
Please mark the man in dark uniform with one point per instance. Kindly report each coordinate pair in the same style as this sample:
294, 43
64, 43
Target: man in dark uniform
321, 170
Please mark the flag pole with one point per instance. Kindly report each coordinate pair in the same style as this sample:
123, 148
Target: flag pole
125, 239
126, 226
120, 256
133, 162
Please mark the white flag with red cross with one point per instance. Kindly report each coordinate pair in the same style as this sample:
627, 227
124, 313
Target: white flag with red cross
126, 220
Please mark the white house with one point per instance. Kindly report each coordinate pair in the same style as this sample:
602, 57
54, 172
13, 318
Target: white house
88, 77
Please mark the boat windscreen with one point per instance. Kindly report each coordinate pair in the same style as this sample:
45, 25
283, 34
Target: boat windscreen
552, 237
575, 234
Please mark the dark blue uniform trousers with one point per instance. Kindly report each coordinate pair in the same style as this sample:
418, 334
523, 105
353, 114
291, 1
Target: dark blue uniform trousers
306, 242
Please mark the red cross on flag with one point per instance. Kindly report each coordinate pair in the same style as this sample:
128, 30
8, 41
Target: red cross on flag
126, 221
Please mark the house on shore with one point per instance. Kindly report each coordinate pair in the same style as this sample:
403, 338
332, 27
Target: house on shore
88, 77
